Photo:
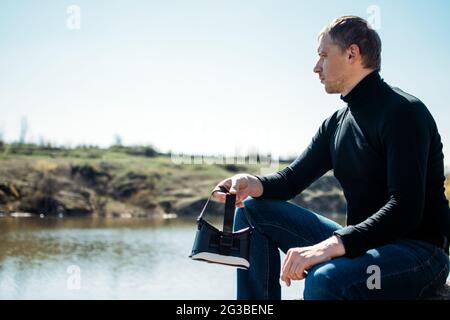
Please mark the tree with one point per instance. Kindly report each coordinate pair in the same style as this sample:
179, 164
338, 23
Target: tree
117, 140
1, 139
23, 129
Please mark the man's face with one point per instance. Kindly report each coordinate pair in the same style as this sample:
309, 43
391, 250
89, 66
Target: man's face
332, 67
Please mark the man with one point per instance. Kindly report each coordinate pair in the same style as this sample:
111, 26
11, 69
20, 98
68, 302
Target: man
386, 152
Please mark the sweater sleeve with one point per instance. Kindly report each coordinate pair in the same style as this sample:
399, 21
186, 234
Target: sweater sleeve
405, 136
309, 166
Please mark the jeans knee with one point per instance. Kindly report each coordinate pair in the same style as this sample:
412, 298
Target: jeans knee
262, 209
322, 284
259, 211
252, 210
252, 203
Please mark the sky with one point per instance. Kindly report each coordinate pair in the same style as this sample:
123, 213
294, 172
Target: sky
200, 76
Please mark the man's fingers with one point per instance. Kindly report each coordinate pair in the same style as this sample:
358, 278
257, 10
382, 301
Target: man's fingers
288, 282
234, 189
287, 264
221, 189
219, 196
284, 278
230, 185
299, 272
295, 266
286, 260
234, 186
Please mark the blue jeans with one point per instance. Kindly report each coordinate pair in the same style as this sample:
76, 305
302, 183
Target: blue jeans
406, 269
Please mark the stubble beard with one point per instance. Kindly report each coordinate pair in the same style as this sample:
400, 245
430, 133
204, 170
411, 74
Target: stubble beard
332, 88
335, 86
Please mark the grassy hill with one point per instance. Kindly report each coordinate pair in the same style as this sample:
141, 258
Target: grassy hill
112, 183
127, 181
124, 181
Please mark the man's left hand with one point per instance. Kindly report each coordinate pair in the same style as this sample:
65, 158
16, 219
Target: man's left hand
299, 260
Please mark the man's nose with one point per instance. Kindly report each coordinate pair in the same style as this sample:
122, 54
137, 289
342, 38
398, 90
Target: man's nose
317, 68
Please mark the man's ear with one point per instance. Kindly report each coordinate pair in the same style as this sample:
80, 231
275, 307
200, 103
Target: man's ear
353, 52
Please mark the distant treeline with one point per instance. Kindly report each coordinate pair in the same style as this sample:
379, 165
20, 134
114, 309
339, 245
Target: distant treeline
93, 151
82, 151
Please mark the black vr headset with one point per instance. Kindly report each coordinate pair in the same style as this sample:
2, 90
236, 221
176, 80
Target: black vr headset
222, 247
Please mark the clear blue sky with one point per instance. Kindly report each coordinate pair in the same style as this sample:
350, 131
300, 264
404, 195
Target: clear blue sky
210, 76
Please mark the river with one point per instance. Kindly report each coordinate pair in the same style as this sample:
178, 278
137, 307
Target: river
107, 258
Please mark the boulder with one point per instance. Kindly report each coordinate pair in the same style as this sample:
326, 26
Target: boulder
125, 186
63, 202
321, 202
74, 202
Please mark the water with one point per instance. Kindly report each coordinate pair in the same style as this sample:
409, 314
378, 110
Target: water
92, 258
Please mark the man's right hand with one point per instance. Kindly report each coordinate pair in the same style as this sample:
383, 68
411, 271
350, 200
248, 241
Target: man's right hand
242, 185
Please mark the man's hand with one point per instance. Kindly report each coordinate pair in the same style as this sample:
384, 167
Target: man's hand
299, 260
242, 185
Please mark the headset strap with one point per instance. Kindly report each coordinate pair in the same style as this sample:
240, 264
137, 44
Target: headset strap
228, 217
230, 200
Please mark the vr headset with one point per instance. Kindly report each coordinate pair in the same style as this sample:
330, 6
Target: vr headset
222, 247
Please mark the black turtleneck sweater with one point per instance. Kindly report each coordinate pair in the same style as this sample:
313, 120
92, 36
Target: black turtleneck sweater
386, 152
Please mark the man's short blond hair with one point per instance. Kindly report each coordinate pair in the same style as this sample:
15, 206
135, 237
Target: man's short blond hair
347, 30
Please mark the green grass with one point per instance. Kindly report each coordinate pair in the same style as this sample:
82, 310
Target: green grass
16, 161
124, 158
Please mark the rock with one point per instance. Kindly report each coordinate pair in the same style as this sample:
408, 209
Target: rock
166, 206
20, 214
326, 183
234, 168
168, 216
125, 186
48, 205
144, 199
3, 197
10, 190
63, 202
92, 177
74, 202
324, 203
125, 210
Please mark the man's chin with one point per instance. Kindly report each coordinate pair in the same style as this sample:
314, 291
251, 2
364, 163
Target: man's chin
331, 90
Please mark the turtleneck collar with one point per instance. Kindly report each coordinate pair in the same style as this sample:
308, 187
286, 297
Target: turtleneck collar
365, 91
